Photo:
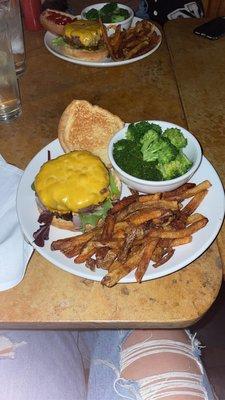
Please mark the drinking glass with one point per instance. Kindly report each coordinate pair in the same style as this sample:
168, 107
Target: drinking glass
14, 20
10, 104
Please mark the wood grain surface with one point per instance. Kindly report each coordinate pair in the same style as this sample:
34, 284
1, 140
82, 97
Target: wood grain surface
166, 86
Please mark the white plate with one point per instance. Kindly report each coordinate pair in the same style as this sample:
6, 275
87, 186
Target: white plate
212, 207
107, 62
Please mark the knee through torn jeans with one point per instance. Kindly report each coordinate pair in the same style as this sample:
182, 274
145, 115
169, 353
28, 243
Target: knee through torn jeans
113, 355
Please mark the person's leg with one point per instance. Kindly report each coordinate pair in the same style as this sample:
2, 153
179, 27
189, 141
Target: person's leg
147, 365
40, 365
165, 364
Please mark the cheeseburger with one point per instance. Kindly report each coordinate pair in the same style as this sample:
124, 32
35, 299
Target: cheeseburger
76, 190
83, 39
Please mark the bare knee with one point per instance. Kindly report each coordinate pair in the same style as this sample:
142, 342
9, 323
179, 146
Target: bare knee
163, 363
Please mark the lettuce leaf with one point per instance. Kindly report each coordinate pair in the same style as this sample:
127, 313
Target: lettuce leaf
113, 187
58, 41
93, 217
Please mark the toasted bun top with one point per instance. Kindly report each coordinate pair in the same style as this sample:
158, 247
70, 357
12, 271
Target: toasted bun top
84, 126
72, 182
54, 21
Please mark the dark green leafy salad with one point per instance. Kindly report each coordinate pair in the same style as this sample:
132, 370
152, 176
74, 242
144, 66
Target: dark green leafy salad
109, 13
147, 152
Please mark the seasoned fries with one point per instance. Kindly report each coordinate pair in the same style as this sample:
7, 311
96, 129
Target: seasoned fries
133, 42
139, 229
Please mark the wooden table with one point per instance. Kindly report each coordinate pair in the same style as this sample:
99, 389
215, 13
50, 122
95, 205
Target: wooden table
198, 65
154, 88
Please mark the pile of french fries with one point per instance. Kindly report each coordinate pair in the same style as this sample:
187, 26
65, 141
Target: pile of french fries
133, 42
139, 229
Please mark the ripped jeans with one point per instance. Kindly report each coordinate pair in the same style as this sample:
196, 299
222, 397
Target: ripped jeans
101, 365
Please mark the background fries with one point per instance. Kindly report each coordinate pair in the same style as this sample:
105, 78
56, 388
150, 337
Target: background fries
133, 42
137, 230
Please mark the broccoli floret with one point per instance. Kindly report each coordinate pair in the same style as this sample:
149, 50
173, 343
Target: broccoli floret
117, 18
155, 148
122, 12
156, 128
169, 170
92, 14
144, 126
121, 145
149, 137
175, 168
132, 133
167, 153
110, 12
176, 137
109, 8
184, 163
107, 11
128, 156
137, 131
150, 150
150, 172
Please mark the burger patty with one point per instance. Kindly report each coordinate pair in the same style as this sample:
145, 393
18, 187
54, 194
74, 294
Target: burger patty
75, 42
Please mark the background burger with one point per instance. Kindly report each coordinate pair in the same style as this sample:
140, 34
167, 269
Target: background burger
84, 40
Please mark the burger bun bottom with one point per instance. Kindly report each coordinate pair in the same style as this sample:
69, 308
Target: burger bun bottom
85, 55
60, 222
63, 224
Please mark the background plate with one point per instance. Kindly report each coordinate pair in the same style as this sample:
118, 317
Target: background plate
108, 62
212, 207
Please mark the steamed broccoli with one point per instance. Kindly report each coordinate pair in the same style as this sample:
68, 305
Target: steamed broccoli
155, 148
149, 137
176, 137
111, 12
175, 168
136, 131
148, 153
92, 14
151, 149
156, 128
108, 12
169, 170
117, 18
167, 153
132, 133
119, 14
109, 8
184, 163
128, 156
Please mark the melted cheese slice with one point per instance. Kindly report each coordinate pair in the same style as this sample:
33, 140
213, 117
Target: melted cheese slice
89, 32
72, 181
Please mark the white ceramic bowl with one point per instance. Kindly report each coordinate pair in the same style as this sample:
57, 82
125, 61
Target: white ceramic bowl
193, 151
111, 27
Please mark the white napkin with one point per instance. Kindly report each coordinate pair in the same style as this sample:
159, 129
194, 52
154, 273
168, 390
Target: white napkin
15, 252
